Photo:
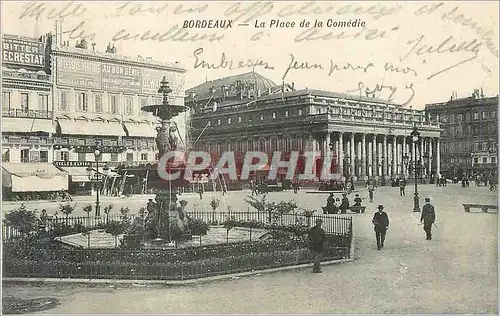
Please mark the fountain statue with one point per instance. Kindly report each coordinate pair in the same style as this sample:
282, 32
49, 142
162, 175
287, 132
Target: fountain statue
162, 220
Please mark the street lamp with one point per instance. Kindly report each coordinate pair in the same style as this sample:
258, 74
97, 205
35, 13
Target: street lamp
415, 139
95, 177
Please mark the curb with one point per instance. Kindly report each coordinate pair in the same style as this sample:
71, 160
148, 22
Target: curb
166, 282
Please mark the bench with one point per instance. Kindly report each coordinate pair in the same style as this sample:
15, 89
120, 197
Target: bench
483, 207
357, 209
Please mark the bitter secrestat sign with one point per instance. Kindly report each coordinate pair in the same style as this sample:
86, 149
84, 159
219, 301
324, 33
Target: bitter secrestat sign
22, 52
109, 77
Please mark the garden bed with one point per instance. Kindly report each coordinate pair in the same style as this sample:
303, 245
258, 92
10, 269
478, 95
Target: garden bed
165, 264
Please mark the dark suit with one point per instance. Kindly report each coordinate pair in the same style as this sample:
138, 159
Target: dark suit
428, 217
317, 239
381, 223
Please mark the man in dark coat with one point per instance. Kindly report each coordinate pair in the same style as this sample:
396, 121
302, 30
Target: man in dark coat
344, 205
317, 239
428, 217
381, 224
330, 204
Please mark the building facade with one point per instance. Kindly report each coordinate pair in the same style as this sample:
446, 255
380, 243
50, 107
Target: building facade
60, 101
365, 136
470, 134
27, 111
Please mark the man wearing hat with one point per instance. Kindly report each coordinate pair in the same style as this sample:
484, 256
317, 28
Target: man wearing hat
345, 204
317, 238
381, 223
428, 217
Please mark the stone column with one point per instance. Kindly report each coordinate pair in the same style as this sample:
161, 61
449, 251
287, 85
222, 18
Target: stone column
370, 158
380, 153
326, 151
421, 156
431, 155
394, 156
363, 156
353, 156
341, 154
374, 157
438, 157
337, 155
384, 155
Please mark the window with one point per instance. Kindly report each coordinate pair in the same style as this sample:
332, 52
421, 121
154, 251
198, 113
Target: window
63, 100
218, 122
98, 102
113, 104
300, 112
34, 156
44, 156
24, 102
130, 157
239, 119
229, 121
82, 157
6, 101
261, 117
82, 102
484, 115
64, 155
286, 113
476, 116
144, 157
209, 123
493, 159
485, 159
144, 102
114, 157
467, 117
459, 118
25, 155
44, 103
6, 156
493, 114
476, 160
129, 109
274, 115
480, 146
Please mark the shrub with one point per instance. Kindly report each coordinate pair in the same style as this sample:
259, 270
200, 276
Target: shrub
198, 227
22, 219
116, 228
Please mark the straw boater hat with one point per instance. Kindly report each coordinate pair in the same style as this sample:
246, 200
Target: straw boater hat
183, 202
428, 199
380, 207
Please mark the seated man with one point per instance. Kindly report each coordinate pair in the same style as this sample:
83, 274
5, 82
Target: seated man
357, 200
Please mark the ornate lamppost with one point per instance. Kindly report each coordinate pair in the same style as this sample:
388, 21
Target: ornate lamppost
95, 177
415, 139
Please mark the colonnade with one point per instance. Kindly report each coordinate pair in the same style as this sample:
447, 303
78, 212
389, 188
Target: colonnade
380, 155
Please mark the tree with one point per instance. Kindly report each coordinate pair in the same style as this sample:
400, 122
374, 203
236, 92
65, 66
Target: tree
22, 219
116, 228
229, 224
214, 204
107, 210
124, 211
198, 227
67, 209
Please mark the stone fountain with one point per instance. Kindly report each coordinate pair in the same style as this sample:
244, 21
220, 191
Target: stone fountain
159, 222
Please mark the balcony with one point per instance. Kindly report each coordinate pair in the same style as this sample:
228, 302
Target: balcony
27, 113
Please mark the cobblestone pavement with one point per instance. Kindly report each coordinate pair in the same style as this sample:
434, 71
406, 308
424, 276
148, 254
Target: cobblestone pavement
456, 272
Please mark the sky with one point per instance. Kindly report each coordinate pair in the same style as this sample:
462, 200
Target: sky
408, 53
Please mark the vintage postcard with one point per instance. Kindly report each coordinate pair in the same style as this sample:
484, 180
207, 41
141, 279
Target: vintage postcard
249, 157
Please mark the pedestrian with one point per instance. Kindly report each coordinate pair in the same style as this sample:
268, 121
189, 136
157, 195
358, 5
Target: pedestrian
381, 224
345, 204
428, 217
317, 239
357, 200
330, 204
402, 186
371, 188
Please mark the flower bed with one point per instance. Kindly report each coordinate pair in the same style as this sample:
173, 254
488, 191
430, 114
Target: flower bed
169, 264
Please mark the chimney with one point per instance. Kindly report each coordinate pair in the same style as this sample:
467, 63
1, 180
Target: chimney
482, 94
293, 85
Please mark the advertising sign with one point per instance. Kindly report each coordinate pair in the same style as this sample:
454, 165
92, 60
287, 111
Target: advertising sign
79, 73
151, 83
23, 52
121, 78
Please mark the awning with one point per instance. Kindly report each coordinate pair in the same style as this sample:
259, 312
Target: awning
140, 130
26, 125
77, 174
91, 128
33, 177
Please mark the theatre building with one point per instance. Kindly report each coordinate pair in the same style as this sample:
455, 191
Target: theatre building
470, 134
366, 137
98, 98
27, 128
